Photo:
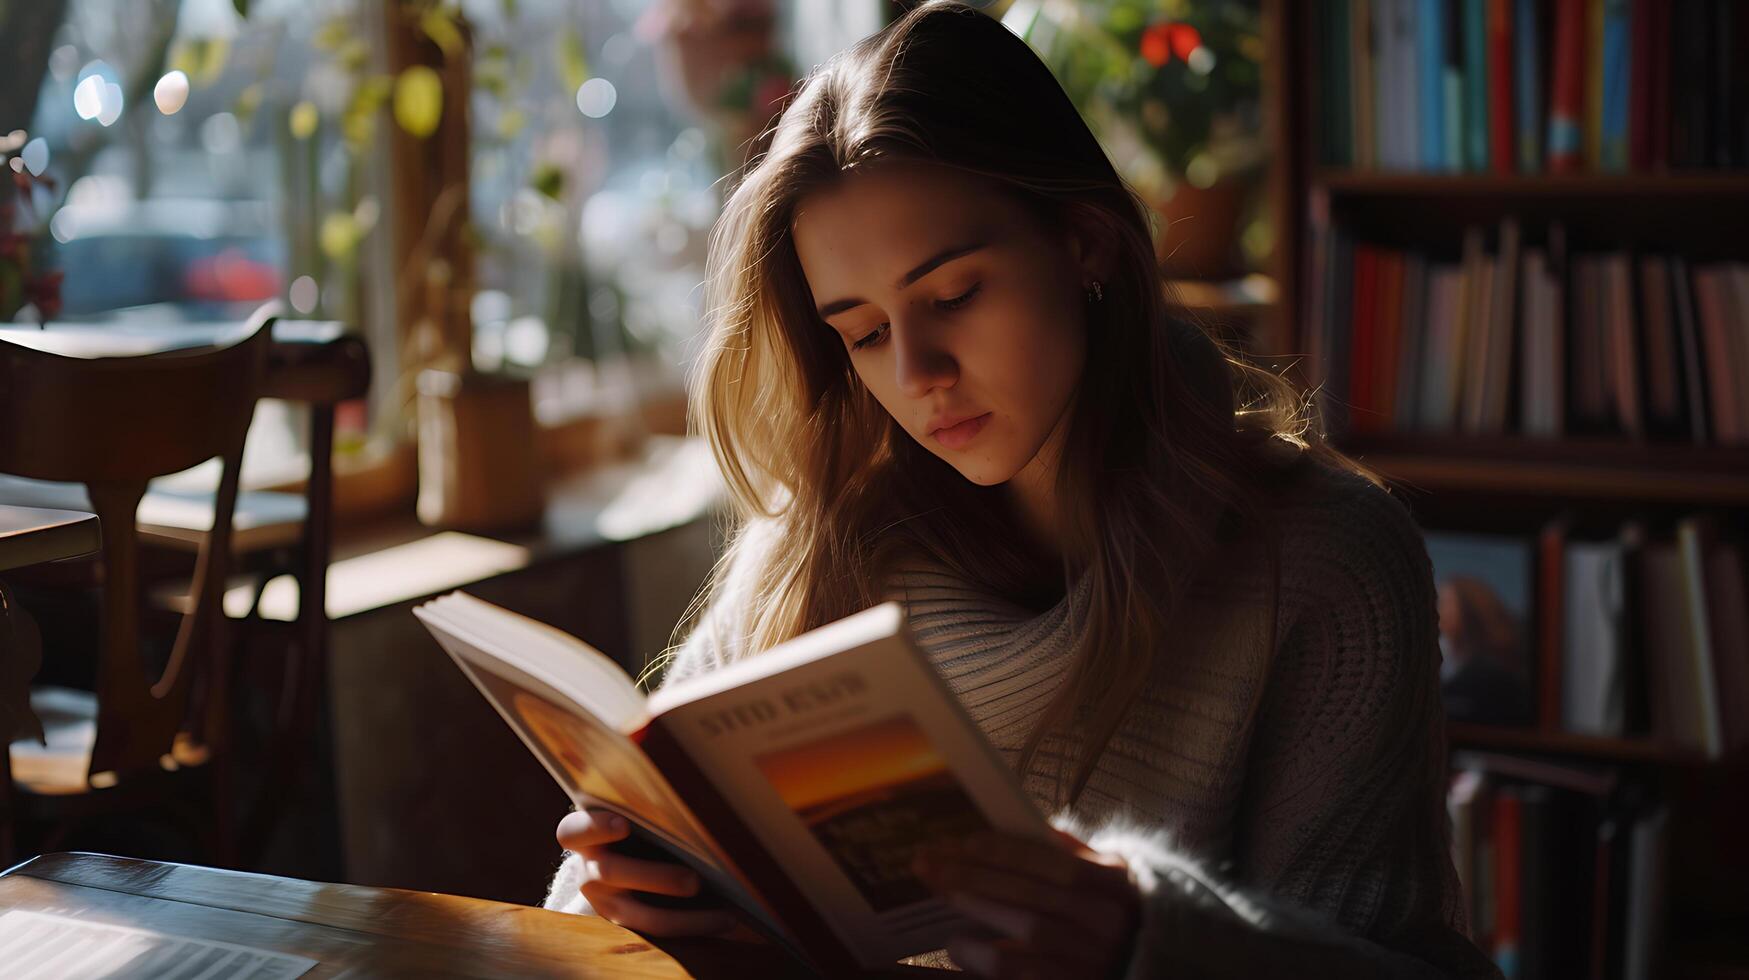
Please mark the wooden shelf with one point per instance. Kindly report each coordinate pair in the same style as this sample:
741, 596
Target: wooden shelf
1500, 738
1582, 469
1696, 184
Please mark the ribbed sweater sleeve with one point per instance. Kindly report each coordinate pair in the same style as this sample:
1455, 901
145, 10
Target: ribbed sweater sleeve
1342, 866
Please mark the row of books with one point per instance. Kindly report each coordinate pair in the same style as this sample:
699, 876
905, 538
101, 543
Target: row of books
1527, 339
1564, 868
1533, 86
1634, 634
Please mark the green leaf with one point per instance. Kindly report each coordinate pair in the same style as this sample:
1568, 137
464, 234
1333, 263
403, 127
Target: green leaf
440, 26
242, 8
548, 180
339, 236
419, 101
573, 64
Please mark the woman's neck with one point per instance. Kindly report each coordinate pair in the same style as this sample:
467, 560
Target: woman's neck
1033, 494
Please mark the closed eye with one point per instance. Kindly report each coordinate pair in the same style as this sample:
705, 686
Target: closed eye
875, 336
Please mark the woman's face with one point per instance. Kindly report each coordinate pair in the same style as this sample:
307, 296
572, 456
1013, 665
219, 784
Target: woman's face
960, 312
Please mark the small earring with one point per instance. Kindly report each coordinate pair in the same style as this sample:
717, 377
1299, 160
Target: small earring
1095, 292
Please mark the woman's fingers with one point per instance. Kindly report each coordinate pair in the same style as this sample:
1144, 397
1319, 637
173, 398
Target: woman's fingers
1011, 960
637, 874
591, 828
620, 908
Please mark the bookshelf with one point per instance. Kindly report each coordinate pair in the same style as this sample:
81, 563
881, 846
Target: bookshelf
1510, 483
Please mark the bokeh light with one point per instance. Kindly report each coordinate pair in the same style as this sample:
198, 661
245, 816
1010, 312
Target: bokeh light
595, 97
171, 92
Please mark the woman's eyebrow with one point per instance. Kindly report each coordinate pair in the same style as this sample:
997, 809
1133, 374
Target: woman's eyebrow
928, 265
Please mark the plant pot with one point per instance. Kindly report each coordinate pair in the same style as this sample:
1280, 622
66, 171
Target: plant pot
1199, 230
477, 464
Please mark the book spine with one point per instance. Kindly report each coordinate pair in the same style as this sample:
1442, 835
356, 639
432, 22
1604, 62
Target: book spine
1617, 78
1340, 108
1594, 21
1663, 400
770, 882
1500, 100
1624, 349
1693, 375
1567, 87
1692, 548
1527, 40
1361, 47
1715, 327
1551, 582
1366, 262
1388, 327
1508, 862
1476, 102
1452, 76
1657, 82
1430, 82
1640, 69
1725, 109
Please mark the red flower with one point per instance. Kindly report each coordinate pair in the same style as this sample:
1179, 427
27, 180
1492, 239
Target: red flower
1156, 46
1163, 40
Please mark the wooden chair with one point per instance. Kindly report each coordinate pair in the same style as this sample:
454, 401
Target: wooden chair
112, 424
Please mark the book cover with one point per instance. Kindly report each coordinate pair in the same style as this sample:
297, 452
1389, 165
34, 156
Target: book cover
1484, 584
1593, 662
798, 782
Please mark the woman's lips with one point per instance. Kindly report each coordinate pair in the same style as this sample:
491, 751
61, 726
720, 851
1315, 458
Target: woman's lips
958, 436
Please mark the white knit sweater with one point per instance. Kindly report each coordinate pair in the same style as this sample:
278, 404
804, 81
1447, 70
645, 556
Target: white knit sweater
1281, 805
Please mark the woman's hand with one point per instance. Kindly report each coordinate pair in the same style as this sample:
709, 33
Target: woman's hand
608, 877
1060, 909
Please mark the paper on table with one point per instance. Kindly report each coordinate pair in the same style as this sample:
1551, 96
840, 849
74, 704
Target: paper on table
64, 947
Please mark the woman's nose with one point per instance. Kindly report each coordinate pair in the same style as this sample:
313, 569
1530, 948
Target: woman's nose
920, 365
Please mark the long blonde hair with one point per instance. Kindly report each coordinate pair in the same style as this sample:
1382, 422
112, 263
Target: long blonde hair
1158, 455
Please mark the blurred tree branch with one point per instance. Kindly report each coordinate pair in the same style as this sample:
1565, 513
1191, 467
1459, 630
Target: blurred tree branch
29, 28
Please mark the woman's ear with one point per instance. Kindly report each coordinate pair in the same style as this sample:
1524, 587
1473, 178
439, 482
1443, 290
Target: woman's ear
1091, 250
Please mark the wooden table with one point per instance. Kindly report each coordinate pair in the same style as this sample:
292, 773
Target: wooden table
354, 931
31, 535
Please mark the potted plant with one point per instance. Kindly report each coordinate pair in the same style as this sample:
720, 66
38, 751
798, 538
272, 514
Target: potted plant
1173, 89
24, 283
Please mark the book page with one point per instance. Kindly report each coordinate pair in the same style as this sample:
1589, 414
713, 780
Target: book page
51, 946
841, 764
594, 763
591, 761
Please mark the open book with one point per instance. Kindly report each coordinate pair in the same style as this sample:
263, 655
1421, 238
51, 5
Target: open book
797, 782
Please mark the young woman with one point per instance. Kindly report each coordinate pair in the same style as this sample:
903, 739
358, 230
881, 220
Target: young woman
942, 369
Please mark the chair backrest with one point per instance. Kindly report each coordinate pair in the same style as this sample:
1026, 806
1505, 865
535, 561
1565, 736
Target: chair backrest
113, 423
